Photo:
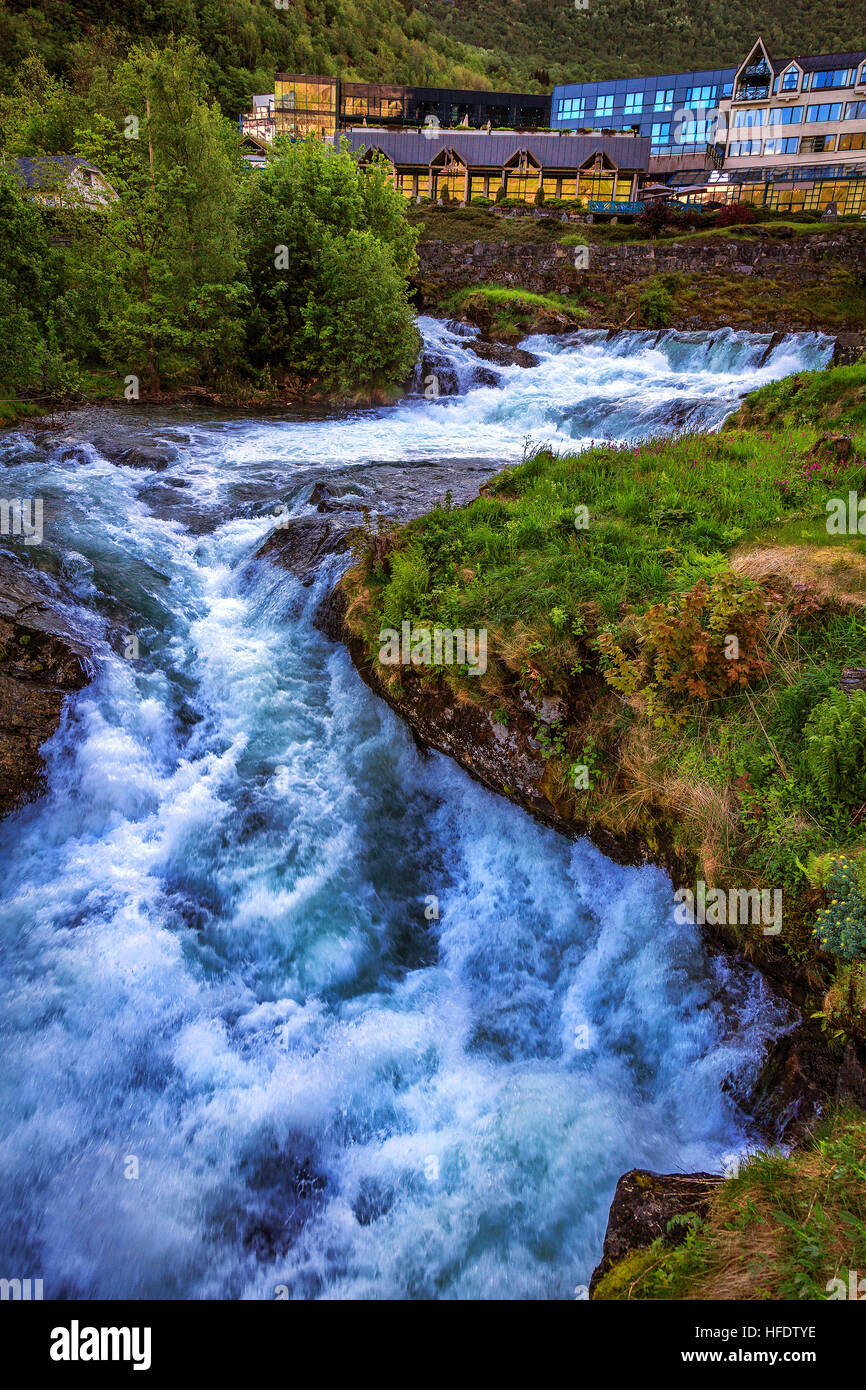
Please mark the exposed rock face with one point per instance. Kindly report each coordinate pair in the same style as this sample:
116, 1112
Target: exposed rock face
41, 661
304, 542
642, 1206
850, 348
800, 1079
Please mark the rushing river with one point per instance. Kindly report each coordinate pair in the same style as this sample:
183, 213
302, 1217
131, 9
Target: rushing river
241, 1057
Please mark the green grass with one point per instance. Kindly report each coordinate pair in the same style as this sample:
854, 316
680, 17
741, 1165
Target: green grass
783, 1229
835, 399
510, 313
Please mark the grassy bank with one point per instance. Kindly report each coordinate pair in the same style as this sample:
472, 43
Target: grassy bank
510, 314
784, 1228
611, 585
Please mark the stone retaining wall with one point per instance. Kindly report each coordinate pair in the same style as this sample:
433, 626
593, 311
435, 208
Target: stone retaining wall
549, 269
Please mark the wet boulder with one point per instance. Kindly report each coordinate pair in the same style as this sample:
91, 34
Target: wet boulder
302, 543
138, 456
501, 354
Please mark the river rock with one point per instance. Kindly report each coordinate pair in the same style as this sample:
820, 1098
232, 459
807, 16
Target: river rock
304, 542
137, 456
501, 354
41, 661
642, 1206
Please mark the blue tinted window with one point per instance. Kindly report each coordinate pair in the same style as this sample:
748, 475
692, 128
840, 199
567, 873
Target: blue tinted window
785, 145
750, 118
633, 103
836, 77
572, 108
787, 115
855, 111
827, 111
700, 96
664, 98
604, 105
661, 133
790, 80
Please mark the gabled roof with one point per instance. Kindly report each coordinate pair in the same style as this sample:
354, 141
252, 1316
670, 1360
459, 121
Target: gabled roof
43, 170
478, 149
823, 61
815, 62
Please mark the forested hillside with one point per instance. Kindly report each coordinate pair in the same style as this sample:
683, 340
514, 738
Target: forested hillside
544, 41
473, 43
246, 41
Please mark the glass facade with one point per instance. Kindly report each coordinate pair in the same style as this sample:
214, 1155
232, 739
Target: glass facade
656, 105
680, 111
305, 105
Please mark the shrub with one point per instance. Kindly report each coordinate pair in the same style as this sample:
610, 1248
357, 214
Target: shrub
501, 193
538, 200
735, 215
835, 738
656, 306
841, 926
685, 644
653, 218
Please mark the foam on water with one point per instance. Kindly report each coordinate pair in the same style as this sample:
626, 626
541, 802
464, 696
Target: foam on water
215, 954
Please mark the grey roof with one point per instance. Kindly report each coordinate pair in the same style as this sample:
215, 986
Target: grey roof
37, 171
478, 149
822, 62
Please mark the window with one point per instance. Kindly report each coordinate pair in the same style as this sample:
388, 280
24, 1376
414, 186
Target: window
604, 105
790, 78
633, 103
744, 147
835, 77
750, 118
696, 132
661, 133
863, 73
727, 89
787, 115
700, 96
787, 145
827, 111
853, 142
855, 111
664, 99
817, 144
572, 108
